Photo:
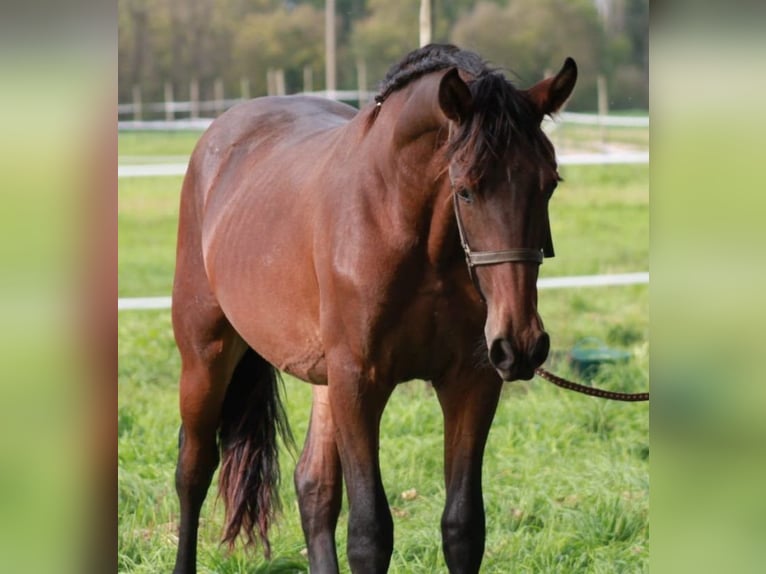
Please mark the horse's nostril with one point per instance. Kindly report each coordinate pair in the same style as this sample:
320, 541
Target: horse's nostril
501, 354
540, 350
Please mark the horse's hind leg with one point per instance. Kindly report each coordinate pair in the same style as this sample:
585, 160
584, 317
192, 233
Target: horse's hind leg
209, 356
210, 350
318, 482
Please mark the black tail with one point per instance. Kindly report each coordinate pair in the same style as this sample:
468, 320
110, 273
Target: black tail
252, 419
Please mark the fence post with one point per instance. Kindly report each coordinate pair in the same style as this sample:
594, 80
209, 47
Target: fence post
137, 112
194, 98
218, 95
361, 81
279, 76
603, 107
270, 87
244, 88
329, 40
169, 103
308, 79
425, 22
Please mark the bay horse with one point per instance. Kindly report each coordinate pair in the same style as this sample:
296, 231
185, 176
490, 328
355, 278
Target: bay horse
331, 244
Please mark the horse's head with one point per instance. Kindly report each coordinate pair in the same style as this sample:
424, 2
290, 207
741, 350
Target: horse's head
503, 172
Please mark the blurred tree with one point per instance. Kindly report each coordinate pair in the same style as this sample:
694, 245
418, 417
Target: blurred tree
530, 37
180, 40
629, 78
287, 38
132, 46
172, 41
388, 33
445, 14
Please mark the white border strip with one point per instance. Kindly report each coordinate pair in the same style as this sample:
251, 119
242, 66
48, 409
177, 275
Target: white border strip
147, 303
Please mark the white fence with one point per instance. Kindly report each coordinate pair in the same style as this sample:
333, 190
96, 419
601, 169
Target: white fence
149, 303
609, 121
200, 124
623, 157
193, 108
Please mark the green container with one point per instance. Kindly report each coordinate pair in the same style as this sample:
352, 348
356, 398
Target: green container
590, 353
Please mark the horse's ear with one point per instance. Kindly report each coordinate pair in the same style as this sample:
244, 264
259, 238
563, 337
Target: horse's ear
551, 93
455, 98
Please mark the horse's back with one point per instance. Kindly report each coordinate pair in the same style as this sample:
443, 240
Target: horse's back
264, 130
251, 194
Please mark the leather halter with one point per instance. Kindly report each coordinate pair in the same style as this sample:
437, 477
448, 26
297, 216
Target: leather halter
478, 258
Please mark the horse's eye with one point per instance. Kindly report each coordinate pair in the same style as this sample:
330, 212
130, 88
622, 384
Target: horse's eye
465, 194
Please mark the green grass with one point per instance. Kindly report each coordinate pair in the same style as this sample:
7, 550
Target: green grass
565, 476
175, 143
147, 221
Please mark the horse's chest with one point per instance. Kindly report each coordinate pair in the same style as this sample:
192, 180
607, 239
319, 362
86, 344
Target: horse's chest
429, 335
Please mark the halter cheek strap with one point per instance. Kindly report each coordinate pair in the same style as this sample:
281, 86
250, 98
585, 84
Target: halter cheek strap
478, 258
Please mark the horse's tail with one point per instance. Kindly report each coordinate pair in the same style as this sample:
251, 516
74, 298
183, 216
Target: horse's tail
252, 419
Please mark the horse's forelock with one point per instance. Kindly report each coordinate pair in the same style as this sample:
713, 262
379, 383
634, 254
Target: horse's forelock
501, 118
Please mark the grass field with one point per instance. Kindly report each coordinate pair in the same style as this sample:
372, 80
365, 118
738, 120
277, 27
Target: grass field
565, 476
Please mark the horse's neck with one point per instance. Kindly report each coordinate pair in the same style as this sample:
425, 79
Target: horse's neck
419, 114
414, 167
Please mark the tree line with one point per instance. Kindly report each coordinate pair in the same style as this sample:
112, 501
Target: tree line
225, 41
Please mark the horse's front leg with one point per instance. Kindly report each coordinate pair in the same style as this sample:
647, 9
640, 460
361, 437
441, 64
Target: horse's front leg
357, 402
468, 402
319, 485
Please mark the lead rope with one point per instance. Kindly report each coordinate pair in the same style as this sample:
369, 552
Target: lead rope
565, 384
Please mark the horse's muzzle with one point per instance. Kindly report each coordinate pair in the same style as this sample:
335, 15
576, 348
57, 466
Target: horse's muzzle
512, 365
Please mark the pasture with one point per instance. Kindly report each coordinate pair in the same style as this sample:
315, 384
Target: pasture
566, 482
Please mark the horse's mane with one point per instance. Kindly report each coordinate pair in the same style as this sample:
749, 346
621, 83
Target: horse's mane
427, 59
501, 113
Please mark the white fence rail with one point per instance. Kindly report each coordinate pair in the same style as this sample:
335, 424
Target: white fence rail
149, 303
131, 109
201, 124
193, 108
598, 120
176, 169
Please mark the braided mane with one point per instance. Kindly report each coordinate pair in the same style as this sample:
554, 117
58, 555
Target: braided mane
502, 115
425, 60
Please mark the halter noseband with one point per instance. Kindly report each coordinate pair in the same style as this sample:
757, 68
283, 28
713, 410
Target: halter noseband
475, 259
478, 258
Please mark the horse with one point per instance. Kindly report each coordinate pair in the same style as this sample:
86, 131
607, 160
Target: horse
331, 243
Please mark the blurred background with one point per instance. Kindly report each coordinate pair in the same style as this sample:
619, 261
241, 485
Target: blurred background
202, 53
66, 65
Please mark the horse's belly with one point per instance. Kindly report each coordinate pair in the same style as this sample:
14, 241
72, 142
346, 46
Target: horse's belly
266, 287
278, 326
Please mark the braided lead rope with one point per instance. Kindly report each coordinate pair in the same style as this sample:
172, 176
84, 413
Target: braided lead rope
563, 383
